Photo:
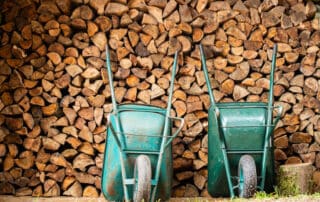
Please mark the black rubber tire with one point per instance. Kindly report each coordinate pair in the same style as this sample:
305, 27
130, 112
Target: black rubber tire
247, 174
142, 176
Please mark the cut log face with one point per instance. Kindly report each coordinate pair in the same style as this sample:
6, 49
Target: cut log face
295, 179
55, 95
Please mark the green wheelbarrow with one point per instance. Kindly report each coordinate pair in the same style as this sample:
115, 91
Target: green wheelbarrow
240, 153
138, 156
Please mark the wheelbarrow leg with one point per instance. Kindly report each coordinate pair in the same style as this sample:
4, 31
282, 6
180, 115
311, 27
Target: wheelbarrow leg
124, 177
227, 168
165, 128
224, 156
122, 156
121, 141
269, 129
263, 168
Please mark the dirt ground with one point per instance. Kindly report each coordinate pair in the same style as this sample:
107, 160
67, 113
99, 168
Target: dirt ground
84, 199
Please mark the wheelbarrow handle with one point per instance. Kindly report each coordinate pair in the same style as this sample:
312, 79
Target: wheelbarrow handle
177, 131
272, 125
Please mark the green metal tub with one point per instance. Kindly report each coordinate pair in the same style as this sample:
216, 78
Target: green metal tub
138, 160
147, 121
240, 153
249, 140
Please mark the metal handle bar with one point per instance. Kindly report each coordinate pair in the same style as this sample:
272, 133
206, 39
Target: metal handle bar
279, 109
206, 75
270, 99
137, 135
113, 99
170, 137
241, 107
137, 110
247, 126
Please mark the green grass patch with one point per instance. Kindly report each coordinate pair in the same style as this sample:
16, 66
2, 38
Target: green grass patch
264, 195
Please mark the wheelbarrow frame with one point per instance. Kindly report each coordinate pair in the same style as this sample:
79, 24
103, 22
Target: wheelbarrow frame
215, 132
126, 154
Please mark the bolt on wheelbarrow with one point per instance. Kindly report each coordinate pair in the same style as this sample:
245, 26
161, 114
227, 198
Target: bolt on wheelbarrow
240, 153
138, 155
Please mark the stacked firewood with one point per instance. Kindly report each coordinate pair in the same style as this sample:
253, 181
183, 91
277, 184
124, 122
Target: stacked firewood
55, 97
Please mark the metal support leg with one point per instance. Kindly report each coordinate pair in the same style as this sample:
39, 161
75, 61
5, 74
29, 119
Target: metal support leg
263, 166
228, 173
122, 155
165, 128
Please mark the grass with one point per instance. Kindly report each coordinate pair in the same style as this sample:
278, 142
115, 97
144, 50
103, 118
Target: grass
261, 195
287, 185
264, 195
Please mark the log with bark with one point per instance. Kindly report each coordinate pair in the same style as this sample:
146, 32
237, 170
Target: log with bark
295, 179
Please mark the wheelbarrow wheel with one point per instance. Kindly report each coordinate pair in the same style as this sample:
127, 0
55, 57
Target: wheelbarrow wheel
247, 176
142, 176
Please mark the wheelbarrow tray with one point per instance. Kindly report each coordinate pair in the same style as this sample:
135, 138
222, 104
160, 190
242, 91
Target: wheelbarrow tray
147, 122
244, 121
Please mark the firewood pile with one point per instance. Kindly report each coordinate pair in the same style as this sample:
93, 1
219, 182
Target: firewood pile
54, 93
